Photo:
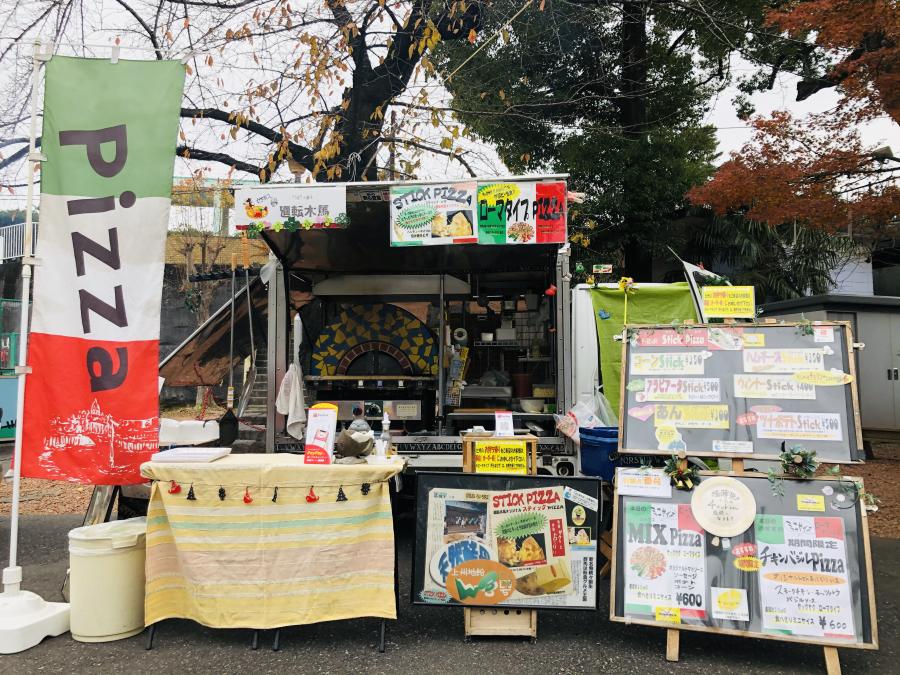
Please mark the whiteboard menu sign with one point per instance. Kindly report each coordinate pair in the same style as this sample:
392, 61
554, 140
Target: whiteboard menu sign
797, 568
740, 391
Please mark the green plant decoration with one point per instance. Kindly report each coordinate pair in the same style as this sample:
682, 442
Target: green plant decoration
796, 462
853, 489
684, 476
805, 326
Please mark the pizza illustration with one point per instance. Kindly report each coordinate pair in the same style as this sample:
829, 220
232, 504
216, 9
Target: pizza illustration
648, 562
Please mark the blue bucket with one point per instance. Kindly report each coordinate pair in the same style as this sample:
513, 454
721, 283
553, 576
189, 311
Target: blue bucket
597, 445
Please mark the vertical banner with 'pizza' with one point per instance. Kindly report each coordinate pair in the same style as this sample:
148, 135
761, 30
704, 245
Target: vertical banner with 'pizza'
91, 401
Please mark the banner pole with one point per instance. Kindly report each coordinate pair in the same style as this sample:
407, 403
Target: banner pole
12, 580
25, 618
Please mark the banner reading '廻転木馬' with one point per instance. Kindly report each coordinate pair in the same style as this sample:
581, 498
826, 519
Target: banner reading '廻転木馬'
91, 401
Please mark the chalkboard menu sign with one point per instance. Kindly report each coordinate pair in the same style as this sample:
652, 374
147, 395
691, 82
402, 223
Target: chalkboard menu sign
487, 540
740, 390
738, 558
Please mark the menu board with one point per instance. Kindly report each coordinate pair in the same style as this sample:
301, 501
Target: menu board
796, 568
427, 215
315, 207
740, 391
513, 541
528, 212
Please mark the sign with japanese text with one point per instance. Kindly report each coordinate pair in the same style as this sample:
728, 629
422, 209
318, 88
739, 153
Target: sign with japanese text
729, 302
741, 559
496, 456
740, 391
522, 212
298, 207
429, 215
512, 541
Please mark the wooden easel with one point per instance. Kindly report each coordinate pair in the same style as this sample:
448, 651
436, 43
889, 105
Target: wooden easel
832, 657
484, 621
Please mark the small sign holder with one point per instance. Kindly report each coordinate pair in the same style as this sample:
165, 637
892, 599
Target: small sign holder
483, 621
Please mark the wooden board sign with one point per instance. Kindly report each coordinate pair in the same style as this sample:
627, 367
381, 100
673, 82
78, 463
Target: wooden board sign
743, 390
794, 566
490, 540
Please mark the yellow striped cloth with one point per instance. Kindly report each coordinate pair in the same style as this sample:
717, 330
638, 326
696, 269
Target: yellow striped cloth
266, 564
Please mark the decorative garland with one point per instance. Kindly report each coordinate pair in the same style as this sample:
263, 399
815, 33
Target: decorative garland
311, 496
684, 476
796, 462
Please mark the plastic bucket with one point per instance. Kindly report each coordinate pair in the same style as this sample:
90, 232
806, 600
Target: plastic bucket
599, 448
106, 580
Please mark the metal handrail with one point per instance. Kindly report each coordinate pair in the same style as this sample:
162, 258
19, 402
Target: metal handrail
12, 240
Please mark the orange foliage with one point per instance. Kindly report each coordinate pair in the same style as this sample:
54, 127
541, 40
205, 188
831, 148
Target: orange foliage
865, 34
815, 172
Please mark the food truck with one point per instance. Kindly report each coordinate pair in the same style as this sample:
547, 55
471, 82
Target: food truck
437, 303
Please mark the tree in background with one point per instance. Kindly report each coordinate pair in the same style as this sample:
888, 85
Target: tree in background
817, 171
270, 83
614, 93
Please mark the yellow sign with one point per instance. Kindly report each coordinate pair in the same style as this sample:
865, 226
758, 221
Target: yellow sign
495, 456
691, 416
823, 378
668, 614
754, 339
811, 503
729, 302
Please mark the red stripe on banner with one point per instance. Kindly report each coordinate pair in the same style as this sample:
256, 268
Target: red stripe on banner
90, 426
830, 528
693, 613
686, 520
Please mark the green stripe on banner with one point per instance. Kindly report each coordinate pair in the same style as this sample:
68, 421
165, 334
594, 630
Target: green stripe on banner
769, 529
94, 94
637, 513
639, 609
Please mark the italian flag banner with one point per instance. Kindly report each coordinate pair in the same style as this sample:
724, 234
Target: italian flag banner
92, 401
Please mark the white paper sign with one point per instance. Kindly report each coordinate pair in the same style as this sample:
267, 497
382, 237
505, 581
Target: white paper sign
783, 360
729, 604
719, 445
799, 425
695, 389
321, 422
665, 562
823, 333
643, 483
315, 207
667, 363
803, 583
503, 423
772, 386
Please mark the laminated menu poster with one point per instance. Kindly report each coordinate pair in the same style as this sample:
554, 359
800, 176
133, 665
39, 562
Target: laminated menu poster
525, 212
804, 583
740, 390
512, 541
425, 215
665, 566
796, 568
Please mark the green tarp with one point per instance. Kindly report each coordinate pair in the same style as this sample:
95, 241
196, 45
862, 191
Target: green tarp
663, 303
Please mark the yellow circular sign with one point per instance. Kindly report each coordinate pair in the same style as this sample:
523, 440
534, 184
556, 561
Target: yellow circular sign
578, 515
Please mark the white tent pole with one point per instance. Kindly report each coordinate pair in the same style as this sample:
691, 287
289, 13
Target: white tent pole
12, 575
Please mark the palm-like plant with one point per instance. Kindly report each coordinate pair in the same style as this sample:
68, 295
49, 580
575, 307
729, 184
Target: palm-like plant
782, 262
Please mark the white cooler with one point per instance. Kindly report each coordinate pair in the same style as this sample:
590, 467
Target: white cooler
106, 580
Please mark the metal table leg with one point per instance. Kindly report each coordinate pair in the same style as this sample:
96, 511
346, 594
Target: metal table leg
151, 633
254, 645
276, 641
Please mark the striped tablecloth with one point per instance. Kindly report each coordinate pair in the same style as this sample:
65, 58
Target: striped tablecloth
269, 563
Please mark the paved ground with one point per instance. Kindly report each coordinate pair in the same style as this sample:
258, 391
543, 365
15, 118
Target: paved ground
429, 639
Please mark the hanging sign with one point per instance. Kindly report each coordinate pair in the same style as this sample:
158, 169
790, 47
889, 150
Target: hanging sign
729, 302
427, 215
527, 212
91, 401
266, 207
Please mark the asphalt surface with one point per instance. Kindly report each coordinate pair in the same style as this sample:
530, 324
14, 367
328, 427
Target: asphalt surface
428, 639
